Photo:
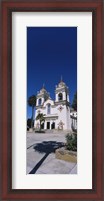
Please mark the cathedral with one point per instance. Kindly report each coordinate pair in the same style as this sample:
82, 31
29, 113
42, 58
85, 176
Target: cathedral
56, 112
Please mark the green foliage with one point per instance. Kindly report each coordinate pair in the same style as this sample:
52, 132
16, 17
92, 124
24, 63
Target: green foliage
41, 118
29, 123
32, 103
40, 131
74, 104
71, 142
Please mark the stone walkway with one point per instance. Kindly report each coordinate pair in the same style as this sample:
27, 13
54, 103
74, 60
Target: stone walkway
41, 157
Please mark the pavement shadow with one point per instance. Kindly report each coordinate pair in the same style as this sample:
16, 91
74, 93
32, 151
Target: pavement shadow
46, 147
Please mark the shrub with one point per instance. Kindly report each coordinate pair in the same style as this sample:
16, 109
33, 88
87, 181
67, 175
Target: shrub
40, 131
71, 142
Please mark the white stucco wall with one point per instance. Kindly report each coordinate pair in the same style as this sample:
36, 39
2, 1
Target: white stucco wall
59, 113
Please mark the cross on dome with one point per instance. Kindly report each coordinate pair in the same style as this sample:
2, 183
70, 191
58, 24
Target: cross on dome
61, 78
43, 89
43, 86
61, 83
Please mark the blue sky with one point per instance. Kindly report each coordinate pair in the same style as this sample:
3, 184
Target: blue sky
51, 53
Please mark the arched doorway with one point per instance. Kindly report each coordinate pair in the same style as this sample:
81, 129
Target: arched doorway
48, 125
53, 125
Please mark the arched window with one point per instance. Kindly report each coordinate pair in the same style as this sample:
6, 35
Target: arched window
60, 96
48, 108
39, 101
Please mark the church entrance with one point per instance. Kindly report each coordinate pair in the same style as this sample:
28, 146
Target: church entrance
53, 125
48, 125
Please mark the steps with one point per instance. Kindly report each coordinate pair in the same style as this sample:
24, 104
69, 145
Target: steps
56, 131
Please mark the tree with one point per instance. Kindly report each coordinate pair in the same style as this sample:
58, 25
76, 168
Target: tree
41, 118
32, 103
74, 104
29, 123
71, 142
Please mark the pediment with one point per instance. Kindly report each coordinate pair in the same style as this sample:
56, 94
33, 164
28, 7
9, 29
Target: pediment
49, 101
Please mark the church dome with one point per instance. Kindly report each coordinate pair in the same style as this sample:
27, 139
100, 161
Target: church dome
43, 90
61, 84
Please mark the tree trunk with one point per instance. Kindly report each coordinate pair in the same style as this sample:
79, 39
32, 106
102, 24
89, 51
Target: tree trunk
40, 125
32, 117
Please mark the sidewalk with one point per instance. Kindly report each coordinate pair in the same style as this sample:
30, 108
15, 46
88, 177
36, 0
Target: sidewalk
55, 166
41, 157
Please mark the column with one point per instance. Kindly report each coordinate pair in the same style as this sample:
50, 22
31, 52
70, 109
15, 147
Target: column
56, 96
37, 102
50, 124
45, 125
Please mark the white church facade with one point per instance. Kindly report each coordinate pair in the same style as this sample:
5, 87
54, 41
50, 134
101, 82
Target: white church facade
56, 112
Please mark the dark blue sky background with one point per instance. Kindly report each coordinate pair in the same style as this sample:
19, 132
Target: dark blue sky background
51, 53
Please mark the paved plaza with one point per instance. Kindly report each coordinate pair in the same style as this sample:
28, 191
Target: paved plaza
41, 154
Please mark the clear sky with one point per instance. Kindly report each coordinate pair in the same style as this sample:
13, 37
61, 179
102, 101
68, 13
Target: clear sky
51, 53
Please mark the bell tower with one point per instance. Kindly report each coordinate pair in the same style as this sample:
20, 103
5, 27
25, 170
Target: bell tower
61, 92
41, 97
